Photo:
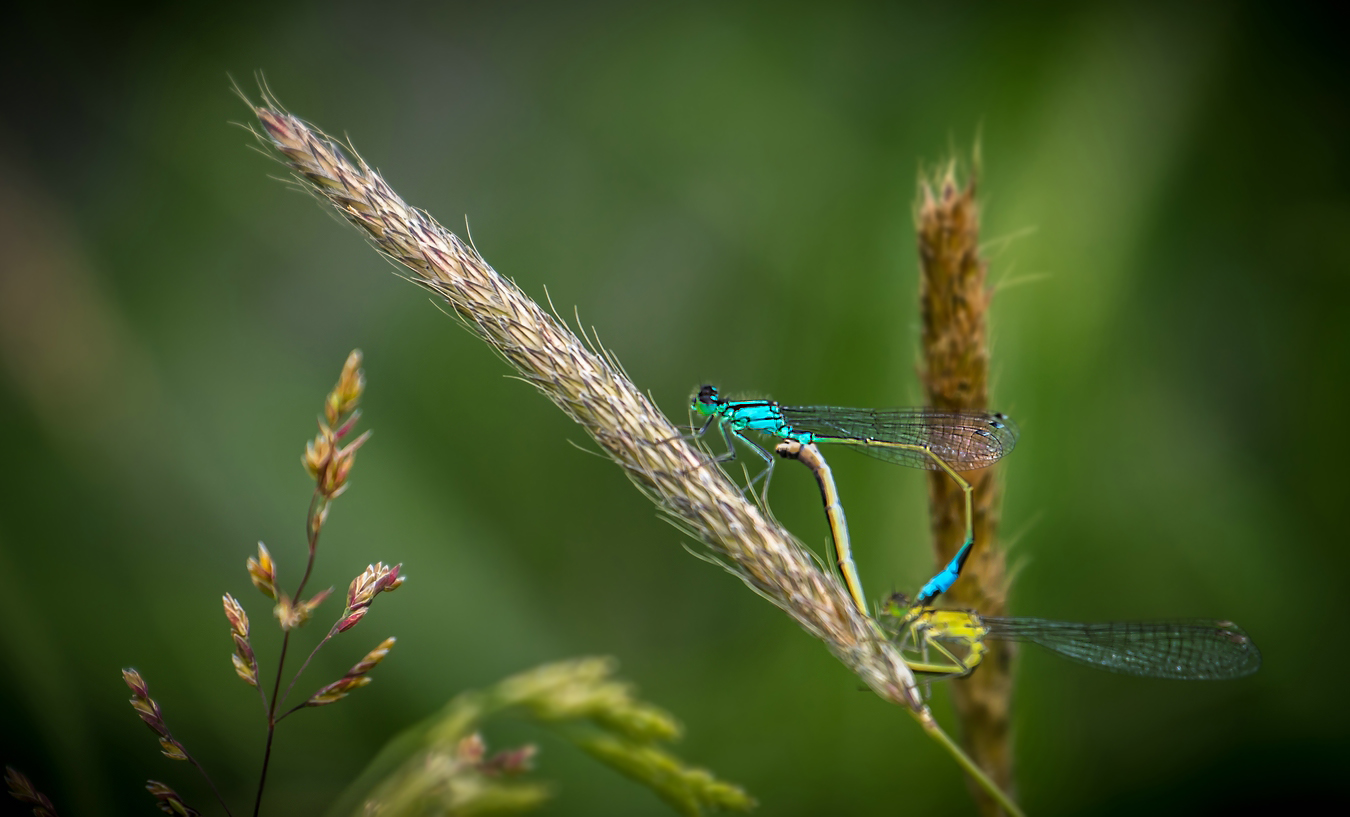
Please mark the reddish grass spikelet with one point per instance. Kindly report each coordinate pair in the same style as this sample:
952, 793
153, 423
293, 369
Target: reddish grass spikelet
315, 600
336, 691
318, 452
347, 393
293, 614
242, 668
23, 790
289, 614
330, 465
375, 579
262, 571
510, 762
234, 611
471, 751
137, 683
168, 800
326, 461
153, 716
244, 660
317, 519
356, 676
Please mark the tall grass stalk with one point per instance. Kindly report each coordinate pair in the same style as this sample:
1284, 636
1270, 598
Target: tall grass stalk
954, 300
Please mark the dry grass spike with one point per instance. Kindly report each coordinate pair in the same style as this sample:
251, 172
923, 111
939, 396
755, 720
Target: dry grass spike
954, 300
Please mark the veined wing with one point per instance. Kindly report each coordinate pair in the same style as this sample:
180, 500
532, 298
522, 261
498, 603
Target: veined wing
1187, 649
965, 440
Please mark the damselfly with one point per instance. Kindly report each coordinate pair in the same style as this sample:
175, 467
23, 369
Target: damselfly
931, 439
951, 643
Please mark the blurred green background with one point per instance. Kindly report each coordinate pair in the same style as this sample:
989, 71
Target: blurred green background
726, 195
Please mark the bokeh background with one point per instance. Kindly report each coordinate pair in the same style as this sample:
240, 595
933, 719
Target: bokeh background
726, 195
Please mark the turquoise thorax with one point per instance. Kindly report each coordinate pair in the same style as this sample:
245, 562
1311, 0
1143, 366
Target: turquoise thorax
754, 415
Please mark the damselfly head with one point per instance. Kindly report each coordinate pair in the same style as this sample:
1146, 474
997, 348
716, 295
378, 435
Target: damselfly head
897, 604
706, 401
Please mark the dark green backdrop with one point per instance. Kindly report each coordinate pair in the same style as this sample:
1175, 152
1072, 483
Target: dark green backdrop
726, 195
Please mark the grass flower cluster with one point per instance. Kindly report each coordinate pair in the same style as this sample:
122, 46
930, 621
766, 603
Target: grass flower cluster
329, 460
442, 766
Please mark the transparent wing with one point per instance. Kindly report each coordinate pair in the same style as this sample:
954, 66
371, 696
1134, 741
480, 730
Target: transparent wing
965, 440
1188, 649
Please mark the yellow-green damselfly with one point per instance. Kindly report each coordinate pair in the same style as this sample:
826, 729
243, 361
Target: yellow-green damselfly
951, 643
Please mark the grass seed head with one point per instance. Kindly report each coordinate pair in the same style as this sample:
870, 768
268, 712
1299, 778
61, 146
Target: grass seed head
263, 572
23, 790
168, 800
355, 678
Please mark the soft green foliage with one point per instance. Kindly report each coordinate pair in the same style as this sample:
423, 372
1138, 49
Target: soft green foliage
689, 790
584, 690
437, 766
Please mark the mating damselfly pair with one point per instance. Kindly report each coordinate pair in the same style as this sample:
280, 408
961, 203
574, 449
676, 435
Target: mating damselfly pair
951, 643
